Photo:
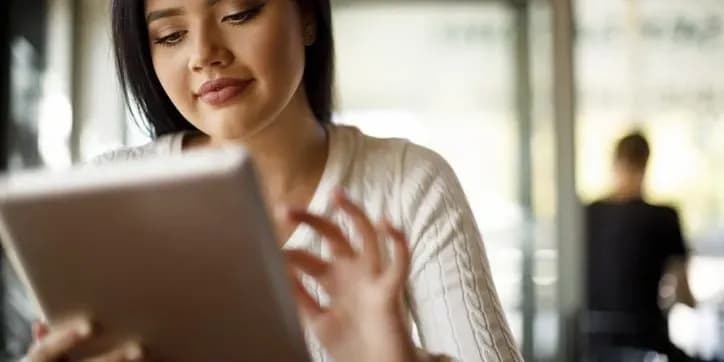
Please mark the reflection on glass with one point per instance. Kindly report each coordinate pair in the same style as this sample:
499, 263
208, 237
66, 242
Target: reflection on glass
25, 95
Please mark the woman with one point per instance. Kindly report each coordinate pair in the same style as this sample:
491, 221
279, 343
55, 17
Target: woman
258, 73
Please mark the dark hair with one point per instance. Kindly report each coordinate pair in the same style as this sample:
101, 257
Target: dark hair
634, 151
146, 98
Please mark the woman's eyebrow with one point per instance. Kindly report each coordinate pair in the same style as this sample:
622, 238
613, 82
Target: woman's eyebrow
164, 13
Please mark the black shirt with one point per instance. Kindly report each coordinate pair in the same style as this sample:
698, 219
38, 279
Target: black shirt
628, 245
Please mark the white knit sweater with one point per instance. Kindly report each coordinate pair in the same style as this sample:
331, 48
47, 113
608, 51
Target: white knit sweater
450, 294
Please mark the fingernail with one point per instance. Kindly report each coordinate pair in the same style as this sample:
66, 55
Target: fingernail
382, 226
281, 212
84, 329
133, 353
340, 192
388, 224
339, 197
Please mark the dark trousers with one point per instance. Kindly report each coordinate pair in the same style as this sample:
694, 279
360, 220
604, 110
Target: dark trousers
626, 337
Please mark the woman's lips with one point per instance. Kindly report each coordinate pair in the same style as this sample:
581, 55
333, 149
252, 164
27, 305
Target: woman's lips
220, 91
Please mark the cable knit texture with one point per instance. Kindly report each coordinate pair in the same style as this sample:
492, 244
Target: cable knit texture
450, 294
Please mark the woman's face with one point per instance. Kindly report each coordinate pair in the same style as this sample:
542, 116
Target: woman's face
230, 66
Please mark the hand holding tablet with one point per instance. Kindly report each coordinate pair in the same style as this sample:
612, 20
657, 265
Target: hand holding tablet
174, 253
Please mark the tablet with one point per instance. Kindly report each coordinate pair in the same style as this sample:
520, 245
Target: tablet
175, 252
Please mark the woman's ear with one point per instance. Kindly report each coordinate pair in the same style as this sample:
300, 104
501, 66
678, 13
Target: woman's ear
309, 26
310, 35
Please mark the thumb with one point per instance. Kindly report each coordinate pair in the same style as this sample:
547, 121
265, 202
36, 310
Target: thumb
308, 307
40, 330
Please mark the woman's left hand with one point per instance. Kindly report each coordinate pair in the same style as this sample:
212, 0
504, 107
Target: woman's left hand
364, 320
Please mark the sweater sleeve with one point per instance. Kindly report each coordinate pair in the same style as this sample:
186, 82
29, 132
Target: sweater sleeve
450, 293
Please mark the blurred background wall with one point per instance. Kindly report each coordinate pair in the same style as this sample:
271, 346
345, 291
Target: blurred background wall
525, 99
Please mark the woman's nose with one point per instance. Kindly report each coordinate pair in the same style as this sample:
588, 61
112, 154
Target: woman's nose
209, 50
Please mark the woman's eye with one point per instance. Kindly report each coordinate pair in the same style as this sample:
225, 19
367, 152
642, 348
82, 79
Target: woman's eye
237, 18
171, 39
241, 17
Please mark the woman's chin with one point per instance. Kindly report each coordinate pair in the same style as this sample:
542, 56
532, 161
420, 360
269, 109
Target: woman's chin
226, 130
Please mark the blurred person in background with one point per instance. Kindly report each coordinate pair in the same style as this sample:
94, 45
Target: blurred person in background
632, 245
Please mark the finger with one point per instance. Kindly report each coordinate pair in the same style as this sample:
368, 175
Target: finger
307, 263
308, 306
40, 330
58, 343
131, 352
363, 225
338, 243
399, 269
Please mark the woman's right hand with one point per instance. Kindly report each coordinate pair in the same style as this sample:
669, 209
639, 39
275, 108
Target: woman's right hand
50, 346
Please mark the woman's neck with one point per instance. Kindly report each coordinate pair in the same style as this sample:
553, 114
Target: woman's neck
290, 154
